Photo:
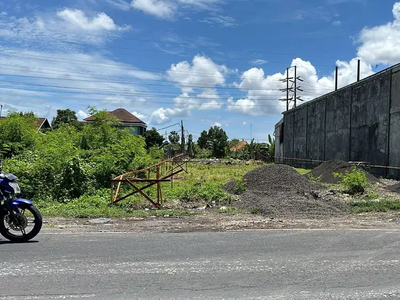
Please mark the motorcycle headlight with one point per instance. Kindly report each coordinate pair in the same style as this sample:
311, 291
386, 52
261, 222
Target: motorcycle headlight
15, 186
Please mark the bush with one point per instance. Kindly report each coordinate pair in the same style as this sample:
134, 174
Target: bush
240, 187
354, 181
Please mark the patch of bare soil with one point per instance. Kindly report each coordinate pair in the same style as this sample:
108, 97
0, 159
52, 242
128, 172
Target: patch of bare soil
215, 222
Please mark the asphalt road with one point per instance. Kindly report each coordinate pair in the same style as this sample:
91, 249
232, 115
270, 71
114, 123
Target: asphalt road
236, 265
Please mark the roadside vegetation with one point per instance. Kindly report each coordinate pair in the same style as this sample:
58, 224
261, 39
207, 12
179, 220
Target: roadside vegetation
66, 171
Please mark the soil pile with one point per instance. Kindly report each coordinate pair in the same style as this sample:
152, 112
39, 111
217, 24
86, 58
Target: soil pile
279, 191
394, 188
326, 170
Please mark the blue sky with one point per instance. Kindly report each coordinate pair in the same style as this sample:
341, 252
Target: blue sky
206, 62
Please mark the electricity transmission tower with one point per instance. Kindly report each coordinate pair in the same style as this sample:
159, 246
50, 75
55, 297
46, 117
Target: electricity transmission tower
291, 88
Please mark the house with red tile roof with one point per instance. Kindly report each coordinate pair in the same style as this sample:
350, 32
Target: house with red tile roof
239, 146
126, 120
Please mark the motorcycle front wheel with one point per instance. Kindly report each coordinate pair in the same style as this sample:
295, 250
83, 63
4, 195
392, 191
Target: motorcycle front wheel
26, 225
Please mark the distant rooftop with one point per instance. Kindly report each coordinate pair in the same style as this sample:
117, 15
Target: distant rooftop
40, 123
122, 115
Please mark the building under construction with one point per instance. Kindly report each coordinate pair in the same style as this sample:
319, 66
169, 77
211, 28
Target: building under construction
359, 122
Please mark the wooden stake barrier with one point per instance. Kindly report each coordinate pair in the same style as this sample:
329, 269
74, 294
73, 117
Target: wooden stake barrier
171, 166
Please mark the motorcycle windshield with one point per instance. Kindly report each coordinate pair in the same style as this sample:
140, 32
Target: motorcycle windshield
10, 177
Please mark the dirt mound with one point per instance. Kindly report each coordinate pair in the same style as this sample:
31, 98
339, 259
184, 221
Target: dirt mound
394, 188
326, 170
279, 191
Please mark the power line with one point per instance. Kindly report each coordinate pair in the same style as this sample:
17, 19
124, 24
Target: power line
168, 83
168, 127
178, 106
126, 68
117, 92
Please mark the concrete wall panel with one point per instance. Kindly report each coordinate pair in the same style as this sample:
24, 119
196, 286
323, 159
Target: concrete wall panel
353, 123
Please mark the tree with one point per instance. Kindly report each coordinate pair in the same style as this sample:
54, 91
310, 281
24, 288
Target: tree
174, 137
153, 138
64, 116
203, 141
218, 139
271, 148
17, 133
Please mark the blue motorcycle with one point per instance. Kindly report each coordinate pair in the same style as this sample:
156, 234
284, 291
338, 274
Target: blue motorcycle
20, 220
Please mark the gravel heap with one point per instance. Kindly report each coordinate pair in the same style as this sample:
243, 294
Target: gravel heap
280, 191
327, 169
394, 188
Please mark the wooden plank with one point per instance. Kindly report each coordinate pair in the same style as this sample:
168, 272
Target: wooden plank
141, 180
145, 196
117, 192
147, 186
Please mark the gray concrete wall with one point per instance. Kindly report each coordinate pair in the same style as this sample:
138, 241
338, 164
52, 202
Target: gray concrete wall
360, 122
279, 142
394, 121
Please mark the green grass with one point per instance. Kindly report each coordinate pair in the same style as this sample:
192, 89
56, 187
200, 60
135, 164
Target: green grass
202, 184
75, 211
302, 171
377, 205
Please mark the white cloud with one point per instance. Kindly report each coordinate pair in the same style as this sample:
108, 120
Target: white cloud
263, 91
198, 82
381, 44
216, 124
202, 73
88, 80
259, 62
121, 4
165, 115
224, 21
244, 123
124, 100
78, 19
167, 9
53, 30
139, 115
159, 8
82, 114
336, 23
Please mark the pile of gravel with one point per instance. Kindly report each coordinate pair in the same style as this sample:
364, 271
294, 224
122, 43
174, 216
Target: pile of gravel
394, 188
279, 191
326, 170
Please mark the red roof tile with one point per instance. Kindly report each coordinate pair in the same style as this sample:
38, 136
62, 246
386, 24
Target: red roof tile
239, 146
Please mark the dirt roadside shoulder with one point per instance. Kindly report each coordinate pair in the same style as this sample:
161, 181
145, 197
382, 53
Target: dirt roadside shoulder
215, 222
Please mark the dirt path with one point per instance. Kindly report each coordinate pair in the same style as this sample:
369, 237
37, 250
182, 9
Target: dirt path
212, 221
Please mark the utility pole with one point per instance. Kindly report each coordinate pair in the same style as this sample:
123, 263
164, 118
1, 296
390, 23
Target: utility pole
182, 138
358, 70
288, 89
336, 77
1, 109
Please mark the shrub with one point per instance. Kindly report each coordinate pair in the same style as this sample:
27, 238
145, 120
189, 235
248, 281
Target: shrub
240, 186
313, 178
354, 181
